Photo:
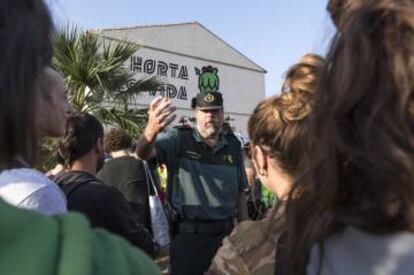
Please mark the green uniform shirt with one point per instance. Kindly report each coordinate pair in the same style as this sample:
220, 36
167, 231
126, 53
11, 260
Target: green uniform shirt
63, 245
203, 182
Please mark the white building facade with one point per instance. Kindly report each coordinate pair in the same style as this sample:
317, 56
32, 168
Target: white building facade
177, 54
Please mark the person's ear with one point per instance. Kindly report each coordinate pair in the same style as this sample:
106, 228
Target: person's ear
260, 158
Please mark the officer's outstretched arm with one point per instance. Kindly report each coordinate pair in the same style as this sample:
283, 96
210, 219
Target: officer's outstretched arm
161, 114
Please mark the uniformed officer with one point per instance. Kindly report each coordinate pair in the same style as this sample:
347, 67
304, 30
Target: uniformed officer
206, 179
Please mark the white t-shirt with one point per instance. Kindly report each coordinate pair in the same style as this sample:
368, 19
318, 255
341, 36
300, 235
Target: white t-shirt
30, 189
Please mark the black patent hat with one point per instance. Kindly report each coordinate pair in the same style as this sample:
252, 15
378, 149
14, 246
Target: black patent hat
207, 101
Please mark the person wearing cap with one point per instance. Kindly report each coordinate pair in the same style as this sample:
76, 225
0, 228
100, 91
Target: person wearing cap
206, 179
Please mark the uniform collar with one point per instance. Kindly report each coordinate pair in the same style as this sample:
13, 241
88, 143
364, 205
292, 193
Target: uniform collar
222, 142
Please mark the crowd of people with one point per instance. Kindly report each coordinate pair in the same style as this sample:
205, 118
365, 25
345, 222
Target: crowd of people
335, 146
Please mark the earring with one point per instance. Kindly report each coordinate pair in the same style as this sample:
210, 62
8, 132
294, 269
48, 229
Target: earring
262, 172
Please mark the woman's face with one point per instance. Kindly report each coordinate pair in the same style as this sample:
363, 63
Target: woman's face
53, 106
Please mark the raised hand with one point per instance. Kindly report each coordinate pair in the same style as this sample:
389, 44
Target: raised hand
161, 114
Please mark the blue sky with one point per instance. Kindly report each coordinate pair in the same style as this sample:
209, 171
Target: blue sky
273, 33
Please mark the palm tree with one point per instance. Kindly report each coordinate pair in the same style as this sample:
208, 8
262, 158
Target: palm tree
97, 80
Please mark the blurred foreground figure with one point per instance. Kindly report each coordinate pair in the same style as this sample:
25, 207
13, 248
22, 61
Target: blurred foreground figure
30, 243
28, 188
351, 211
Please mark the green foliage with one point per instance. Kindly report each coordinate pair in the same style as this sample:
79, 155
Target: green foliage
47, 154
98, 82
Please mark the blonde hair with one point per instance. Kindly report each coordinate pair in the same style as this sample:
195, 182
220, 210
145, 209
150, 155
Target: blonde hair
279, 123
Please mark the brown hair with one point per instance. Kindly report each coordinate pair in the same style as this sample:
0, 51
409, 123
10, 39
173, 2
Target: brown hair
358, 166
340, 9
25, 30
117, 139
279, 122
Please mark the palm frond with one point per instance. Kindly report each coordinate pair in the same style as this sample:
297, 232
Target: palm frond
137, 87
130, 120
97, 65
98, 81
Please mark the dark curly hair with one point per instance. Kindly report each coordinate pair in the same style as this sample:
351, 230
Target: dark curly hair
117, 139
82, 132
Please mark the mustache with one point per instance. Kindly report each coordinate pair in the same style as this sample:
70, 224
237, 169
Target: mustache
211, 125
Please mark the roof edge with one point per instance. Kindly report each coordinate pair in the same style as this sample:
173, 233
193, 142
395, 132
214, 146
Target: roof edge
144, 26
233, 48
179, 24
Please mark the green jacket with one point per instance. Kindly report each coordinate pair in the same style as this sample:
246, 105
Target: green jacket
63, 245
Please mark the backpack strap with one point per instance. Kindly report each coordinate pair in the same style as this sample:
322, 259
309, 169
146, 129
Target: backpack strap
69, 188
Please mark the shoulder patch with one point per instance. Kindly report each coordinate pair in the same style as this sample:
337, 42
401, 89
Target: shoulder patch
229, 159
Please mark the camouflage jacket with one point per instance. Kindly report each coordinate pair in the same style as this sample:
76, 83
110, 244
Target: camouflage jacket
251, 247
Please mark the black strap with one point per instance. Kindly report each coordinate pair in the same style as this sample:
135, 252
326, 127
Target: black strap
212, 227
69, 188
281, 257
